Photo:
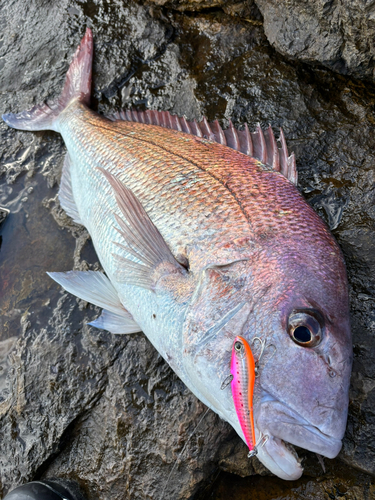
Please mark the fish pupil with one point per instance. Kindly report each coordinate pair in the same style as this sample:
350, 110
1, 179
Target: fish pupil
302, 334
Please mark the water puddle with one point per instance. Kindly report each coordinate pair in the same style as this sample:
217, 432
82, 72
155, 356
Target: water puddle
31, 243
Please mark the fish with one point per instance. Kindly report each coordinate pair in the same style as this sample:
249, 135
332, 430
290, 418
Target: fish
203, 236
242, 369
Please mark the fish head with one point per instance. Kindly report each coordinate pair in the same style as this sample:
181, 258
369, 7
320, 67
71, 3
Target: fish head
303, 390
295, 307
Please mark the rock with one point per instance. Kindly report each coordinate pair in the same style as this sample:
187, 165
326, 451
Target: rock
106, 410
338, 35
337, 482
199, 5
3, 214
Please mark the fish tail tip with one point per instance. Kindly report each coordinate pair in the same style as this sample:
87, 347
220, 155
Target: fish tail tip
77, 86
13, 120
88, 34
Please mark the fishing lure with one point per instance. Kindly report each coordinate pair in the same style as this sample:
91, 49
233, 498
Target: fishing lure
243, 372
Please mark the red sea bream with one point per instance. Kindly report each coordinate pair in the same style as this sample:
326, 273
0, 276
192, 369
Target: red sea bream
203, 236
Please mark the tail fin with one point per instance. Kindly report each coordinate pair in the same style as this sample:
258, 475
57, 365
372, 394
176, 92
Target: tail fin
77, 86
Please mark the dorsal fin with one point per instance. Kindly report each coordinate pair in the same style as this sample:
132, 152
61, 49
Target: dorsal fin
259, 144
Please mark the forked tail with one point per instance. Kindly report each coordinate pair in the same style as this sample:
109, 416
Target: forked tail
77, 86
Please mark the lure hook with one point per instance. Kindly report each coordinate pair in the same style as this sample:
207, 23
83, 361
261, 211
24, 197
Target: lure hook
263, 348
262, 441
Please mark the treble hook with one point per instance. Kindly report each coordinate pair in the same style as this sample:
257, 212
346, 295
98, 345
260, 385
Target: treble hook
262, 441
262, 343
262, 349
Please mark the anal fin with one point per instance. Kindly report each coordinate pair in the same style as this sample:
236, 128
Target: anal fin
95, 287
66, 193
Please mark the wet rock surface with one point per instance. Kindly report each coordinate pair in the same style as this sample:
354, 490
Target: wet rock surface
339, 35
338, 482
106, 410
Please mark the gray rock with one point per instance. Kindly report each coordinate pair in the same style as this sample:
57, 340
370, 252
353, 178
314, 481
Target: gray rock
106, 410
3, 214
339, 35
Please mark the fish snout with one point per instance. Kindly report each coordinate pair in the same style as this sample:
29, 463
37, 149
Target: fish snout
330, 416
282, 422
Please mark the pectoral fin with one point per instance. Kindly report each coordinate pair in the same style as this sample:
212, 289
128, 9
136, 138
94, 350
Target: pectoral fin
95, 287
141, 240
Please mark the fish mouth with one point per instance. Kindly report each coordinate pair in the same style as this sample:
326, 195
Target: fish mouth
284, 428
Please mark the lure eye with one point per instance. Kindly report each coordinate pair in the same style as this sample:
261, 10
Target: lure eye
238, 346
305, 329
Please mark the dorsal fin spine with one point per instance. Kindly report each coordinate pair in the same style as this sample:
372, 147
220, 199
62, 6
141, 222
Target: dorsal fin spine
205, 127
218, 133
185, 125
249, 142
263, 147
155, 118
176, 123
235, 136
292, 170
196, 129
284, 154
274, 150
148, 117
260, 145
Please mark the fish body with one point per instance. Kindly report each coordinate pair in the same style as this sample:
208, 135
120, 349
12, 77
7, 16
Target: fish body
243, 371
201, 243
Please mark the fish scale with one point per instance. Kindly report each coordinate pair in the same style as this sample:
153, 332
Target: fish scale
163, 178
271, 206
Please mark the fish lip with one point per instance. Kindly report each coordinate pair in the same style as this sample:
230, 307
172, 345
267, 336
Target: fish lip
281, 459
294, 430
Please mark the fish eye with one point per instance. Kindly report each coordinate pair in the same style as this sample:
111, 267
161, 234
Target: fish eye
305, 329
238, 346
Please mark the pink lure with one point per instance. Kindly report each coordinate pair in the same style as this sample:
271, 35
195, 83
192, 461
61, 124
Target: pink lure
243, 370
